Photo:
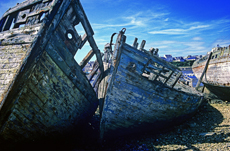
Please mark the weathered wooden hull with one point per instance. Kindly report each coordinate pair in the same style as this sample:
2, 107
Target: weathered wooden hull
216, 78
44, 92
135, 102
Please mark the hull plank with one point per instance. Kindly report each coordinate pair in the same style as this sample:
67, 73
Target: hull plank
24, 35
11, 61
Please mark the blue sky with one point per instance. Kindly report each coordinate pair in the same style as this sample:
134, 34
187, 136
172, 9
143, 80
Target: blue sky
176, 27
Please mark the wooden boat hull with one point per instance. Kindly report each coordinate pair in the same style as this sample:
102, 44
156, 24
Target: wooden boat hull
44, 92
216, 78
133, 103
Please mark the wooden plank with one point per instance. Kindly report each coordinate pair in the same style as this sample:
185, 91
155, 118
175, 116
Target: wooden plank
63, 50
10, 49
40, 99
169, 77
10, 134
88, 29
71, 16
60, 76
96, 79
55, 88
177, 78
141, 56
65, 28
86, 59
19, 39
204, 71
70, 68
7, 23
132, 65
8, 130
68, 98
53, 104
102, 88
76, 76
2, 22
159, 74
10, 62
94, 71
25, 124
29, 111
81, 107
83, 41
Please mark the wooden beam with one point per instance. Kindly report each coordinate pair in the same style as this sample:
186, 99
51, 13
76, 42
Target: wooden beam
83, 41
86, 59
169, 77
89, 31
21, 6
204, 71
178, 76
94, 71
158, 74
155, 59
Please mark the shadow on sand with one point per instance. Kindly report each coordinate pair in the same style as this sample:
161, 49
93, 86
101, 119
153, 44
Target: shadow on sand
193, 131
196, 130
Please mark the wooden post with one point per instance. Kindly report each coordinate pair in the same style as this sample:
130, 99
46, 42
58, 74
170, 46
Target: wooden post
135, 42
142, 45
152, 51
204, 71
156, 51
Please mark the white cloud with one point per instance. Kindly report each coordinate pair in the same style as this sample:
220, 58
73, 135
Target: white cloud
198, 27
141, 19
179, 48
197, 38
169, 31
166, 19
179, 31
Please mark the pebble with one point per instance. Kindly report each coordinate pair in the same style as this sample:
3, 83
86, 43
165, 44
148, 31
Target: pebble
207, 134
209, 129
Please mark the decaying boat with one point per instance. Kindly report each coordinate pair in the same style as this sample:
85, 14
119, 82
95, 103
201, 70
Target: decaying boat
44, 91
142, 92
213, 70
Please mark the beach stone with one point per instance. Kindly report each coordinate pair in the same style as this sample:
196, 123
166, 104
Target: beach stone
207, 134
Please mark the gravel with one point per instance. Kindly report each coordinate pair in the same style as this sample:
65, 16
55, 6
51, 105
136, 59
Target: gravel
208, 129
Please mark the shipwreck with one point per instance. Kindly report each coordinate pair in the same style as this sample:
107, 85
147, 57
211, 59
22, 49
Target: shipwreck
43, 90
141, 92
213, 71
